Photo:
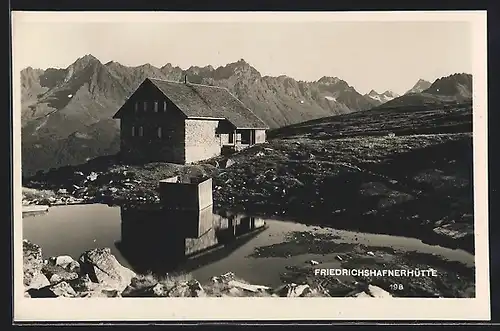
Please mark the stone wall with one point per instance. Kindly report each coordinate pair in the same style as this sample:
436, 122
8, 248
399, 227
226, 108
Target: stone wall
201, 140
150, 146
224, 138
260, 136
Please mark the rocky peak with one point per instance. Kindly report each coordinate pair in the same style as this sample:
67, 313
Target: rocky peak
419, 86
28, 70
30, 73
146, 66
330, 80
390, 93
167, 66
86, 60
81, 64
196, 70
240, 68
114, 64
452, 85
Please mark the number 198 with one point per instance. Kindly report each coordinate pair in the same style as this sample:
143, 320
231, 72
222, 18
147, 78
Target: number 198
397, 287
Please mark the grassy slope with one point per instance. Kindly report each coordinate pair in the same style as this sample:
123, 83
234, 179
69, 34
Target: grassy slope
343, 171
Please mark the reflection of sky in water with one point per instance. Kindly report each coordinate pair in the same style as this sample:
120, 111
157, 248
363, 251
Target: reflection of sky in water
71, 230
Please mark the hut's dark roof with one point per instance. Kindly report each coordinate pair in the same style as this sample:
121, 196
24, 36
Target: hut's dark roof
205, 101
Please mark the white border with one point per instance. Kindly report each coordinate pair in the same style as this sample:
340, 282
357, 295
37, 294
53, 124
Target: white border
212, 309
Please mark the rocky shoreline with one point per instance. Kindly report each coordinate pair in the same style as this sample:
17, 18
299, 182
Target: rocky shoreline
389, 185
97, 273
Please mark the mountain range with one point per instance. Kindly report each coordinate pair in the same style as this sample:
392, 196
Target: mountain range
455, 88
66, 114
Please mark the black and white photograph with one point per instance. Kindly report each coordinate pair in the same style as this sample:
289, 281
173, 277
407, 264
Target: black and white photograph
290, 165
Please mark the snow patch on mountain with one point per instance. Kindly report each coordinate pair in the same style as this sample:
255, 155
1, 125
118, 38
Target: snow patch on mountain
382, 97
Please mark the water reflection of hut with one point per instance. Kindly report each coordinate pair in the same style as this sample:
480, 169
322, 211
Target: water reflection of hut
159, 239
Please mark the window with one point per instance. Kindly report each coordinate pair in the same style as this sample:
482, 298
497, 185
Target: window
133, 131
231, 138
156, 107
164, 106
245, 137
141, 131
136, 106
145, 105
159, 132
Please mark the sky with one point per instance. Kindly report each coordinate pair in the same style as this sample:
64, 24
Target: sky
380, 55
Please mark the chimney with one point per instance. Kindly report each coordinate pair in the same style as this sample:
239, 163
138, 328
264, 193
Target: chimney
185, 79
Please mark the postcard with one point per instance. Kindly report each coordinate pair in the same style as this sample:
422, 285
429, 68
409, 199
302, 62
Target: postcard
250, 166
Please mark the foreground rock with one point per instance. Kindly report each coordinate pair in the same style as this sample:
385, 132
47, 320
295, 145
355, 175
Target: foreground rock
98, 274
372, 291
102, 267
32, 266
294, 290
56, 274
61, 289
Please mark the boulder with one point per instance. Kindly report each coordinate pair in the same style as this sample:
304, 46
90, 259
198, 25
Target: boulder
156, 290
55, 279
378, 292
196, 289
293, 290
362, 295
38, 281
229, 162
236, 292
102, 267
454, 230
32, 265
100, 293
73, 266
247, 287
179, 290
56, 273
224, 278
187, 289
110, 293
92, 176
61, 289
371, 291
83, 284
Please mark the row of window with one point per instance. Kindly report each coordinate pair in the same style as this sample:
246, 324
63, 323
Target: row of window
143, 105
139, 131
